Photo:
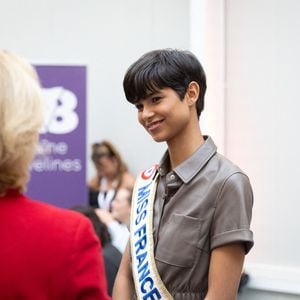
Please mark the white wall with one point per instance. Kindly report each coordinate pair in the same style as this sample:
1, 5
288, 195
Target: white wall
107, 36
207, 42
262, 123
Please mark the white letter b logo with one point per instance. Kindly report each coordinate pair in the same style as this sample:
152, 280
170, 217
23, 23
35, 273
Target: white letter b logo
61, 116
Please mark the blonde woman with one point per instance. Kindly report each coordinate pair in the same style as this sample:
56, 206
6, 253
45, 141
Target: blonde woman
46, 252
112, 174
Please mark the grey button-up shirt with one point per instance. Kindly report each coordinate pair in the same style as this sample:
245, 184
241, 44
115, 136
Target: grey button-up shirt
204, 203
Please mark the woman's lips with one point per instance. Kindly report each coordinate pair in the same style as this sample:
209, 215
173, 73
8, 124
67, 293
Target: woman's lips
154, 125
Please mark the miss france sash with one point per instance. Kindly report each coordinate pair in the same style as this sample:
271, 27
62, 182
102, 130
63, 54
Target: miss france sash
148, 284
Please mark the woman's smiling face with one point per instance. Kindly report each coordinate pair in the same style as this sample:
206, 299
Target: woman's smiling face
163, 114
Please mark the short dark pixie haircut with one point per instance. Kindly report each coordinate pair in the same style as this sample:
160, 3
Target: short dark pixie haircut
163, 68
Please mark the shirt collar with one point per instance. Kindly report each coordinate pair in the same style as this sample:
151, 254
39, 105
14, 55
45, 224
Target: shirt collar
191, 166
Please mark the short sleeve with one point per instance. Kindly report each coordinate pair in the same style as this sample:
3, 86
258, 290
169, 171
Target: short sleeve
231, 222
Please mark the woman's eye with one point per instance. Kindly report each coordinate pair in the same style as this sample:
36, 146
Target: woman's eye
155, 99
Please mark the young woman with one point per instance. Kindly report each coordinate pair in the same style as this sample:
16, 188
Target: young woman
190, 222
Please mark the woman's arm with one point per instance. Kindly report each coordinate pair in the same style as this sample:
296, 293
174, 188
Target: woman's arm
123, 286
225, 271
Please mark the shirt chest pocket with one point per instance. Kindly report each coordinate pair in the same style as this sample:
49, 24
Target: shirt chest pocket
178, 239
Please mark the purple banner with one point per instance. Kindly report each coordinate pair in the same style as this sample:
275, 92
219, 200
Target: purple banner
58, 171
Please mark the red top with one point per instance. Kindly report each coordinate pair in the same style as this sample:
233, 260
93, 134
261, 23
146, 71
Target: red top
48, 253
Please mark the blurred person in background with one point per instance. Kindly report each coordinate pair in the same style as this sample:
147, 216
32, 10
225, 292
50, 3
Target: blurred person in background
121, 206
112, 174
118, 219
112, 256
46, 252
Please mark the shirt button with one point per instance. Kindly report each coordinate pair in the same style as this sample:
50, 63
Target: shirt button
172, 176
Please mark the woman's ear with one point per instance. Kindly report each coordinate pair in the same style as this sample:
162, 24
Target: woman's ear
192, 93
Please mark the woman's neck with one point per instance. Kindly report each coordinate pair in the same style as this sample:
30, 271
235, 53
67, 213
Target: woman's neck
183, 148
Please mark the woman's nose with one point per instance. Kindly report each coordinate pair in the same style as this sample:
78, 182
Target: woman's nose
147, 112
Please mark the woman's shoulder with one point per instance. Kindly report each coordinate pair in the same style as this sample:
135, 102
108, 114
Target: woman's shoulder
44, 217
94, 183
128, 180
41, 208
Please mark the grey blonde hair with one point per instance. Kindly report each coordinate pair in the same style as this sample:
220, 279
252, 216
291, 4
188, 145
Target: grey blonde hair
21, 116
